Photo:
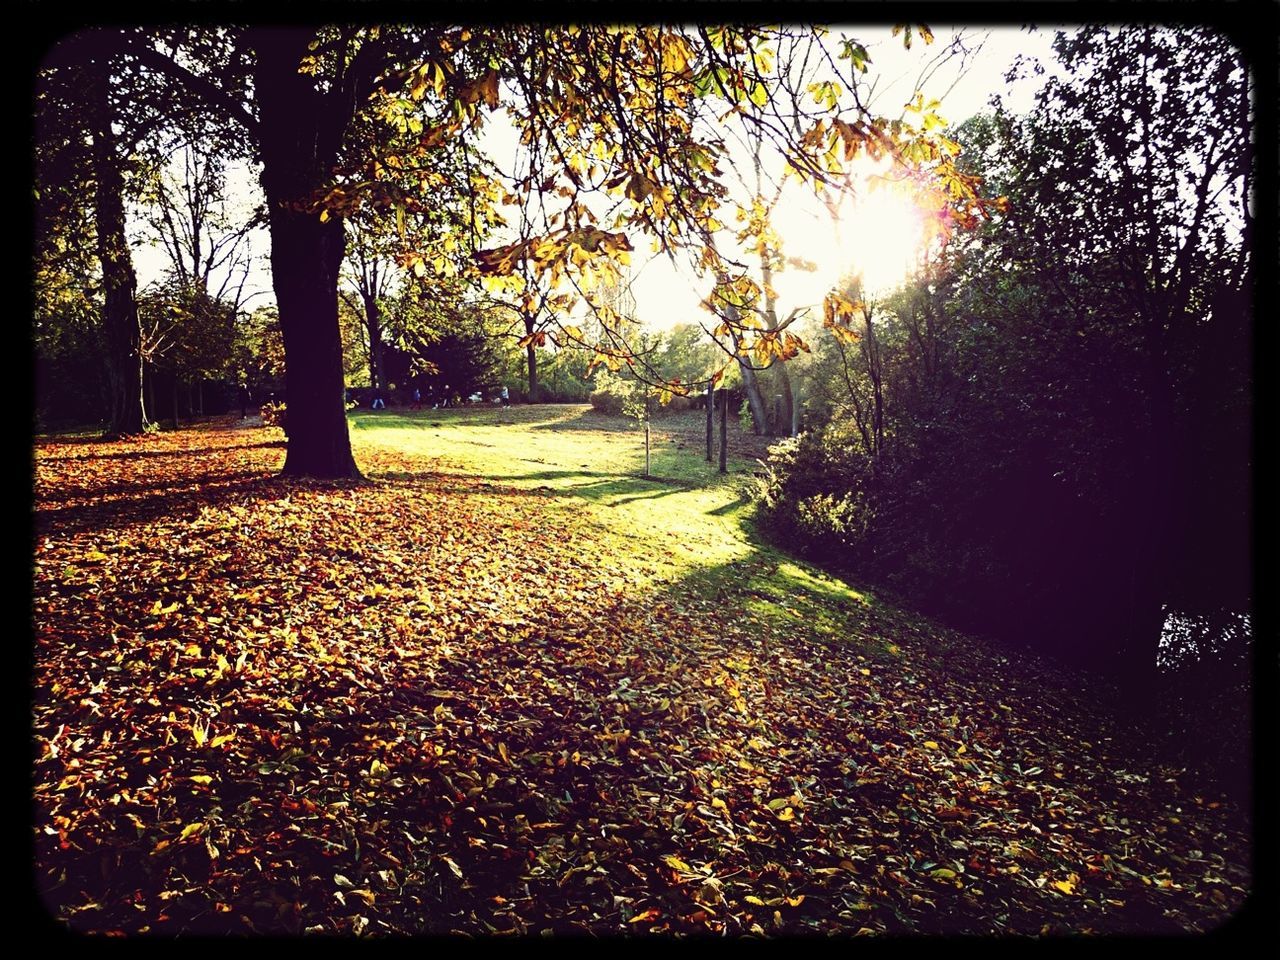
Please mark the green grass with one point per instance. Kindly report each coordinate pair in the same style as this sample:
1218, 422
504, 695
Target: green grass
686, 522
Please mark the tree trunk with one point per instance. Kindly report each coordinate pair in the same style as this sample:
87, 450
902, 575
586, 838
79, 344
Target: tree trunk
871, 351
759, 416
301, 131
1153, 523
175, 400
531, 356
786, 420
373, 325
123, 336
783, 420
751, 386
149, 381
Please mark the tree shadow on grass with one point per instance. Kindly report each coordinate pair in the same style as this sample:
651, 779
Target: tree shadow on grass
150, 454
175, 501
857, 739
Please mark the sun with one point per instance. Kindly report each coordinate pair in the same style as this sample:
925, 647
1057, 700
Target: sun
877, 233
882, 238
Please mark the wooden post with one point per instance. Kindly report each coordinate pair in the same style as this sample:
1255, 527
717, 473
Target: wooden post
711, 402
724, 432
646, 432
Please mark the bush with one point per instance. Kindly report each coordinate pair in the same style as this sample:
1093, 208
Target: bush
814, 496
607, 399
611, 394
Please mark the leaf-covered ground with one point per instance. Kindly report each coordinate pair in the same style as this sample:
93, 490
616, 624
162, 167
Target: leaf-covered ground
505, 687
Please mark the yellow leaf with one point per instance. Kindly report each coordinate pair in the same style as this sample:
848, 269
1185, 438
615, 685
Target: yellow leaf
1067, 886
93, 556
201, 778
675, 863
190, 830
931, 744
943, 873
199, 733
220, 740
719, 804
786, 815
192, 650
750, 898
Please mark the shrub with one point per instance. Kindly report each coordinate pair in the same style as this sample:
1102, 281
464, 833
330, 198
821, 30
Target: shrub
607, 399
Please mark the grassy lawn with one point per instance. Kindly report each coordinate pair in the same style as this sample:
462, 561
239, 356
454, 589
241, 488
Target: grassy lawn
686, 521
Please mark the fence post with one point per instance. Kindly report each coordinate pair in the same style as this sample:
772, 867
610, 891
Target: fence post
710, 425
724, 431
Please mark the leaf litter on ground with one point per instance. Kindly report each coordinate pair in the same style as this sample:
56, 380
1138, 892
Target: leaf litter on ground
436, 702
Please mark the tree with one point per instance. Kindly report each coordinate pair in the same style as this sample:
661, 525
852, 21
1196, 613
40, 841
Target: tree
189, 317
68, 298
372, 274
443, 346
625, 111
190, 331
1138, 166
1045, 433
81, 132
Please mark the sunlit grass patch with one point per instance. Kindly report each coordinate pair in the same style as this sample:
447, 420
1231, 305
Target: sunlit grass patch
686, 522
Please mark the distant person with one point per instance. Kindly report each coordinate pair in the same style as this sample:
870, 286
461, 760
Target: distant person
378, 403
506, 397
417, 399
245, 398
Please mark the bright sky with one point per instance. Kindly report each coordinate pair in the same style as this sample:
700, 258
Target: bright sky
666, 293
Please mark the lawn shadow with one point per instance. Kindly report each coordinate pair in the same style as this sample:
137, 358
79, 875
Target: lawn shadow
148, 454
169, 501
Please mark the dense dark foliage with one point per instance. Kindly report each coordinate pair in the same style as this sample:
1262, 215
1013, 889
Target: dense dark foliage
1065, 452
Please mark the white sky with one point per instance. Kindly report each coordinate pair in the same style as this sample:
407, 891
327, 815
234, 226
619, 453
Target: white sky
666, 294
